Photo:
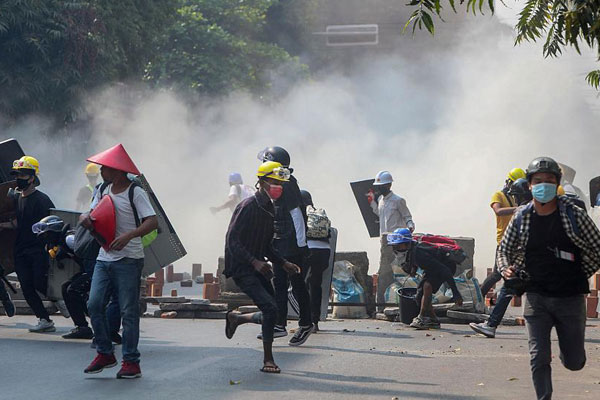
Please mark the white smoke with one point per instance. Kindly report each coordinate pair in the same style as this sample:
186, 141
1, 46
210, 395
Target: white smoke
448, 125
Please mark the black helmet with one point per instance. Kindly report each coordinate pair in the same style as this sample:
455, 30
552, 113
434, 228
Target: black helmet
51, 223
306, 198
275, 153
519, 187
544, 164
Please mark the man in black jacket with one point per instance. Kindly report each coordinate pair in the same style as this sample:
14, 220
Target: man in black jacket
249, 243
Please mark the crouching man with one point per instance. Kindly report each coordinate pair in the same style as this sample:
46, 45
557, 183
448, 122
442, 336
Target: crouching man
550, 249
438, 269
249, 243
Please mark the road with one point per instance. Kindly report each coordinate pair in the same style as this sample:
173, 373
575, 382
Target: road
368, 359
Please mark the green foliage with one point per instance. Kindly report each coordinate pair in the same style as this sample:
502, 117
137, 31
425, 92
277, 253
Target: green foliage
425, 9
216, 46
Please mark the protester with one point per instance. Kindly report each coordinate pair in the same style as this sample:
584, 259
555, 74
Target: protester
31, 260
318, 234
437, 267
249, 243
504, 203
290, 242
237, 192
550, 249
120, 261
85, 194
393, 214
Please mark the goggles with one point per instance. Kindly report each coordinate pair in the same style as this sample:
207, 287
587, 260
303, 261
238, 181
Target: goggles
43, 227
280, 173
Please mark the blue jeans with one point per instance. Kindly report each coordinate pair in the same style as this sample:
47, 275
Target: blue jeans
122, 277
113, 314
500, 309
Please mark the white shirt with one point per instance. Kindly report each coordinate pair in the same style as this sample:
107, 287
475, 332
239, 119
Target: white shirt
240, 192
393, 213
126, 221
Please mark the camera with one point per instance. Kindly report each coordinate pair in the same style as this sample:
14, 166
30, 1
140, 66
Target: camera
516, 285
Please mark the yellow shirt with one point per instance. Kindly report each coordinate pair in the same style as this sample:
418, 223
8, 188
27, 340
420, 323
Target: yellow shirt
502, 221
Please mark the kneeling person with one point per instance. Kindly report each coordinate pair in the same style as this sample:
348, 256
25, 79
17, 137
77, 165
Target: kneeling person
438, 269
249, 243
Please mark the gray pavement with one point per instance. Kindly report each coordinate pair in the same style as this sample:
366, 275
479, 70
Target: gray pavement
192, 359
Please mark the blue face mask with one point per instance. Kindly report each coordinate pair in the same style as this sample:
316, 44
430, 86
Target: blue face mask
544, 192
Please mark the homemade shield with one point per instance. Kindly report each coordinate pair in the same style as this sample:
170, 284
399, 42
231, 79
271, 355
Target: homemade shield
104, 221
361, 190
594, 191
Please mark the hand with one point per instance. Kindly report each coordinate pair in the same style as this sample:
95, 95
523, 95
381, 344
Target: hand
120, 242
413, 272
411, 228
370, 196
458, 301
87, 221
263, 268
291, 268
509, 272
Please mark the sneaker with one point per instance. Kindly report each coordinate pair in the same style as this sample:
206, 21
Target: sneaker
62, 308
419, 323
278, 332
79, 332
129, 370
484, 329
432, 323
100, 362
43, 325
9, 306
116, 338
301, 335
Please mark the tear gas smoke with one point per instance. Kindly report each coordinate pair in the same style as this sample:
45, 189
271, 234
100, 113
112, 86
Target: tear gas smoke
448, 126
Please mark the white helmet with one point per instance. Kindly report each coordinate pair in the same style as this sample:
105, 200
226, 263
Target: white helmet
235, 178
383, 178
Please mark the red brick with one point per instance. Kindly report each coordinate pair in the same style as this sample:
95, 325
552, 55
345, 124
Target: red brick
516, 301
157, 290
209, 278
595, 281
520, 321
211, 291
173, 292
160, 276
170, 273
592, 304
594, 292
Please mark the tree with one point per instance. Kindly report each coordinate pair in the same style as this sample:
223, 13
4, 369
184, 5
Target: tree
560, 23
217, 46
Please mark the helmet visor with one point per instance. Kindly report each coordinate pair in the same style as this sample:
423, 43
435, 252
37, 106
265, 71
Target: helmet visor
40, 227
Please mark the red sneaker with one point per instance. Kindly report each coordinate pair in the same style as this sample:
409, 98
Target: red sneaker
100, 362
129, 370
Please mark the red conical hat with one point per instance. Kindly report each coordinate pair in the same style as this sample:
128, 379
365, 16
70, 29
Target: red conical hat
117, 158
104, 220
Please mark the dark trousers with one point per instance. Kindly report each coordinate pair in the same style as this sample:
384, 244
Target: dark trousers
261, 291
500, 308
492, 279
568, 316
32, 271
281, 281
318, 261
3, 293
75, 293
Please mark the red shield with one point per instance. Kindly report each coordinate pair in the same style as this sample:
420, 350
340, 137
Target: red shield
105, 221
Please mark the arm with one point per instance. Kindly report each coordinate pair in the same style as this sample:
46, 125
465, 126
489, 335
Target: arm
239, 219
406, 215
502, 211
228, 204
299, 226
148, 225
372, 199
590, 233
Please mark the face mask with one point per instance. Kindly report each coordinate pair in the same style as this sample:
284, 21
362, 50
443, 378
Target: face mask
275, 191
544, 192
22, 184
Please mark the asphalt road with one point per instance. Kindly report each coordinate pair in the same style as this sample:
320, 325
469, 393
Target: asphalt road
192, 359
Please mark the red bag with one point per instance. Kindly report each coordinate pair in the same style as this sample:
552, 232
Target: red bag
445, 245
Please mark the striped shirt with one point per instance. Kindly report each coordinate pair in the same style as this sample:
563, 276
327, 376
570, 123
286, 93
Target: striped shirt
250, 236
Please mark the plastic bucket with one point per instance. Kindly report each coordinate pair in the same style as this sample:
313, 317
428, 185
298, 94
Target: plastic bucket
409, 308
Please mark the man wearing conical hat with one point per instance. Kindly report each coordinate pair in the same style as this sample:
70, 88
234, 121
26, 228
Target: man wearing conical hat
120, 260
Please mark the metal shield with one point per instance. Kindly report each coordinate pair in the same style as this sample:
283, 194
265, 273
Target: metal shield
360, 190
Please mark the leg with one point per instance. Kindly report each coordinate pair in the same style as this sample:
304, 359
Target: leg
127, 274
301, 292
99, 295
385, 274
319, 261
570, 317
490, 281
74, 293
31, 278
426, 304
539, 325
9, 307
113, 314
500, 308
281, 294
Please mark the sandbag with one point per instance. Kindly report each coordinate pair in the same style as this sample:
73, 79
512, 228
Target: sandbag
346, 289
400, 281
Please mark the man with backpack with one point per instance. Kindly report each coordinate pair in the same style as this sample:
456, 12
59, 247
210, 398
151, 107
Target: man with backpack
318, 234
550, 249
393, 214
120, 260
439, 265
290, 242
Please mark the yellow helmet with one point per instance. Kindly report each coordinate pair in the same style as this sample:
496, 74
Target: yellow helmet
92, 169
516, 173
274, 170
26, 164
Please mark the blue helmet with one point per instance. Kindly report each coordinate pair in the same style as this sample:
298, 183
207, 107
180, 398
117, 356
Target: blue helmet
399, 236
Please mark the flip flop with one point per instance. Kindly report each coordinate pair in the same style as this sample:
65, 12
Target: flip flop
270, 369
228, 330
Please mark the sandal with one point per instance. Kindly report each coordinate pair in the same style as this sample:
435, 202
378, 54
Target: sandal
229, 331
270, 369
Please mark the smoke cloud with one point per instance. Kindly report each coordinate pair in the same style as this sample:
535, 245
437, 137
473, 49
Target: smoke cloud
448, 123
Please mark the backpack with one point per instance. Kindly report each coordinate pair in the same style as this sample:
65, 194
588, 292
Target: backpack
568, 208
318, 224
445, 246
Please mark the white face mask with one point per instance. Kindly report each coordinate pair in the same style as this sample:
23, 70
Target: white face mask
400, 258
